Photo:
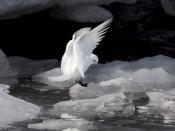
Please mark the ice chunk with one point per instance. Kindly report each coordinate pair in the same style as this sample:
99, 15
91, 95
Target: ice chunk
27, 67
13, 109
95, 89
104, 106
106, 87
133, 90
160, 103
169, 6
155, 77
130, 89
5, 70
63, 124
4, 88
149, 66
67, 116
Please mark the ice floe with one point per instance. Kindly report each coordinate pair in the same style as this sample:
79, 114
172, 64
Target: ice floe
155, 69
15, 67
13, 109
105, 106
148, 73
94, 90
160, 103
63, 124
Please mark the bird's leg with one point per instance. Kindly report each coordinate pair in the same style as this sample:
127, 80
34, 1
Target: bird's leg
82, 84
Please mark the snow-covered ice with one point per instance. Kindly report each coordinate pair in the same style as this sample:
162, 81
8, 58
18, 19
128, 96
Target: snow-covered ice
63, 124
105, 106
148, 70
27, 67
13, 109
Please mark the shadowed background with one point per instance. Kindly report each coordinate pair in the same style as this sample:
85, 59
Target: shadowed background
139, 30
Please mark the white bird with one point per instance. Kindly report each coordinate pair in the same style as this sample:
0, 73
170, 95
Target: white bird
78, 56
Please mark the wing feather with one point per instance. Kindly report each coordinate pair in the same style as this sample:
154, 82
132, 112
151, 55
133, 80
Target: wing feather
85, 44
88, 42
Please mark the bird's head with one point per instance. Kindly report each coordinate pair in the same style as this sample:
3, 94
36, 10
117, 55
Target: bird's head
94, 59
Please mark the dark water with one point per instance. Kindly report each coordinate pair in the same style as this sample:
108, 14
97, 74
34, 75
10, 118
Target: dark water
30, 91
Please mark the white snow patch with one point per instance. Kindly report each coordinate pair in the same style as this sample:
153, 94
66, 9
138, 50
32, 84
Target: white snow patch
62, 124
67, 116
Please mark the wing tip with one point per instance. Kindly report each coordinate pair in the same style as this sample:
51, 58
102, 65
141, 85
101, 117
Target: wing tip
108, 22
105, 26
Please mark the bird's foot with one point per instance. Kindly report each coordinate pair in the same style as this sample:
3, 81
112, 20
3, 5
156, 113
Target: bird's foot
83, 84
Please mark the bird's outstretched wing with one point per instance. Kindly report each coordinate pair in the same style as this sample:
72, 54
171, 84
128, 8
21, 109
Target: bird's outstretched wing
85, 44
81, 32
88, 42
